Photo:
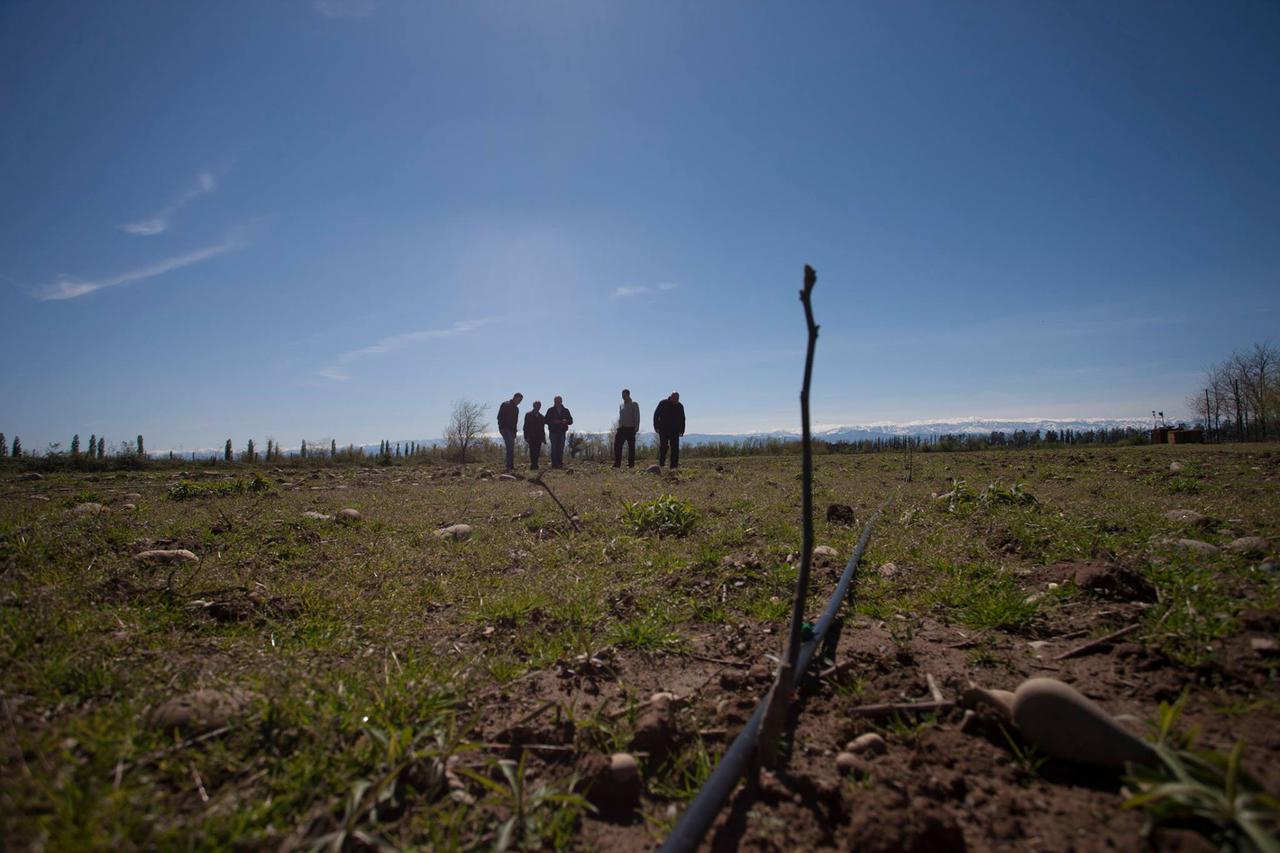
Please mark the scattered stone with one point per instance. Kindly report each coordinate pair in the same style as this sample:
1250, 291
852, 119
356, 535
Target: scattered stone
508, 477
840, 514
1175, 467
1268, 566
203, 710
656, 726
887, 570
166, 555
1202, 548
653, 469
1062, 723
1249, 546
130, 507
848, 764
1113, 581
317, 516
454, 531
616, 786
868, 744
32, 476
133, 496
1264, 645
1189, 517
90, 508
349, 514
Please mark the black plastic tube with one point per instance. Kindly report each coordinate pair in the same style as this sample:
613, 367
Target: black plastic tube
697, 819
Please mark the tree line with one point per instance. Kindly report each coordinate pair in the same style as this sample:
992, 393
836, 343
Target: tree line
1239, 399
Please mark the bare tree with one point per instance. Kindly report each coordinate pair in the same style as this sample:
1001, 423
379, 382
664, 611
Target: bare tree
1243, 391
466, 425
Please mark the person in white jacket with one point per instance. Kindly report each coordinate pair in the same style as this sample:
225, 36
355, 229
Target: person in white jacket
628, 423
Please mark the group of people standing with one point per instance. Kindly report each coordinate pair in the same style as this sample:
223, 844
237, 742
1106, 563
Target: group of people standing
668, 423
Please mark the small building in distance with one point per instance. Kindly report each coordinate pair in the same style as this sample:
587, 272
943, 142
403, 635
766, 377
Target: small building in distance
1169, 435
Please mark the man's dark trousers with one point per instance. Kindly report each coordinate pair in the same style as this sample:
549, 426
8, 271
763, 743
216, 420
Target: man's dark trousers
535, 450
625, 435
669, 441
557, 449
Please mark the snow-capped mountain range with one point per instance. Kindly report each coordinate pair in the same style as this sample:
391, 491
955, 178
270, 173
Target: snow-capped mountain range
861, 432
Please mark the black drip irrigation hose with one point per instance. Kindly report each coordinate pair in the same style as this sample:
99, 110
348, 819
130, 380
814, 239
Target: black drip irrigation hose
697, 819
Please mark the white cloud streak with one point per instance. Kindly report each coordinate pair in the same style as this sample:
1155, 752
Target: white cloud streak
644, 290
206, 182
69, 287
338, 371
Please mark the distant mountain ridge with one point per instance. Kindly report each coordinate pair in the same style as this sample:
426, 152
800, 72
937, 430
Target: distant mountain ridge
888, 429
860, 432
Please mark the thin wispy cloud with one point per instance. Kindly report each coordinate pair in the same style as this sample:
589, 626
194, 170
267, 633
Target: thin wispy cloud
345, 8
644, 289
339, 371
70, 287
205, 183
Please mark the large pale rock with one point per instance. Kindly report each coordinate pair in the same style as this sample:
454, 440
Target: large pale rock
1062, 723
653, 469
825, 552
317, 516
89, 508
454, 531
203, 710
349, 514
166, 555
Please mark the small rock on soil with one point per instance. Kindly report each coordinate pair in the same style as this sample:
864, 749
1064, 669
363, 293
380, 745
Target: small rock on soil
840, 514
1189, 517
203, 710
454, 531
1249, 546
1202, 548
166, 555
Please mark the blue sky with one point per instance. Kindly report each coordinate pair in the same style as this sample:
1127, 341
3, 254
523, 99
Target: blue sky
330, 219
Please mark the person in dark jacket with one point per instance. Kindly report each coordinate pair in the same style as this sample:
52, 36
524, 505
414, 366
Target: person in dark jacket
508, 422
535, 433
558, 421
668, 423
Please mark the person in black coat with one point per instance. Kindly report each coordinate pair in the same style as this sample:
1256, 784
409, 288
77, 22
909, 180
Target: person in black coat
558, 422
535, 433
508, 418
668, 423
